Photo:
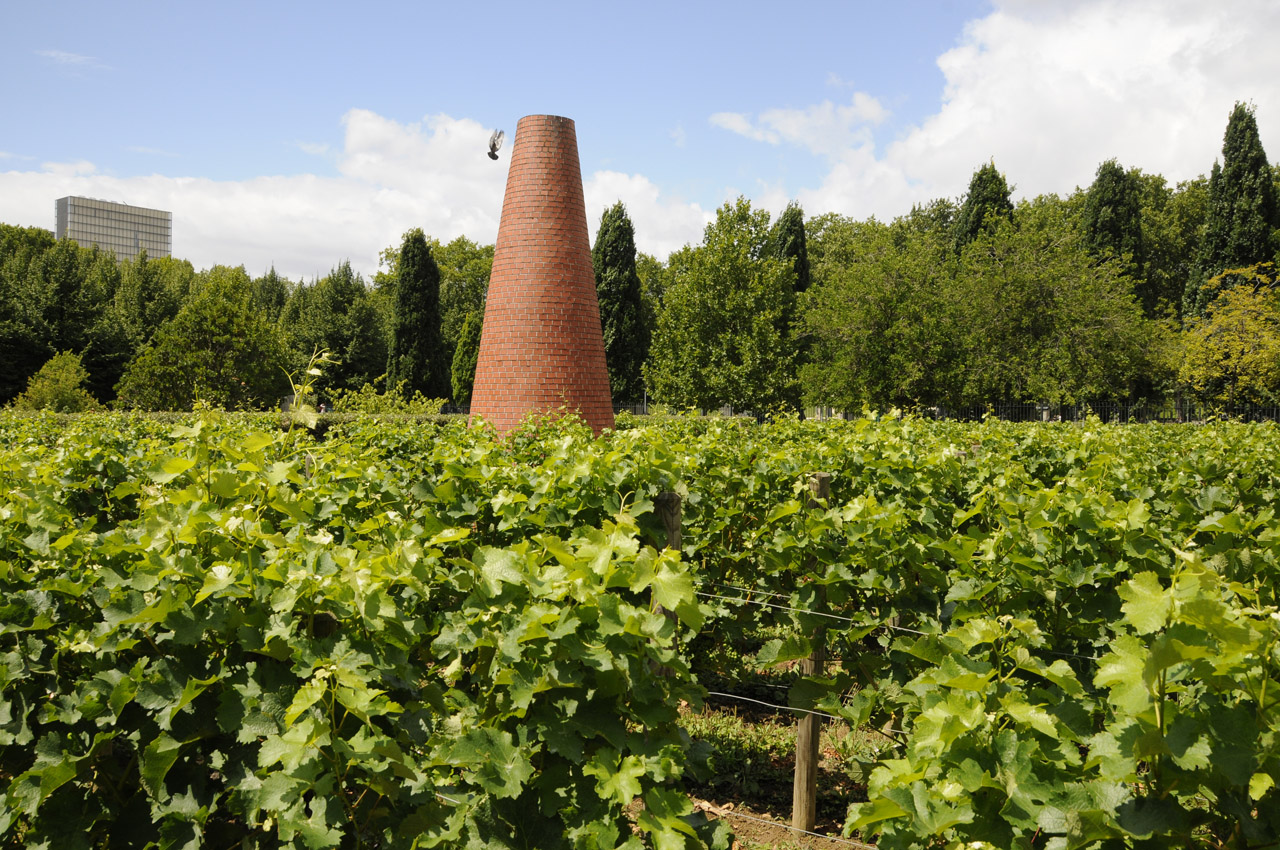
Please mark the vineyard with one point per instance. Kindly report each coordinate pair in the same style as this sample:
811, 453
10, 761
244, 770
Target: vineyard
222, 633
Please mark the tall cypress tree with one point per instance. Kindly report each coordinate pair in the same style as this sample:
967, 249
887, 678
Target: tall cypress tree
788, 242
626, 336
987, 200
1112, 224
1242, 209
417, 356
1242, 199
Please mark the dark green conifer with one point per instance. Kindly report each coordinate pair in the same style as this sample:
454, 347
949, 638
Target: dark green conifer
987, 200
1242, 199
417, 356
1112, 225
626, 336
1242, 209
788, 243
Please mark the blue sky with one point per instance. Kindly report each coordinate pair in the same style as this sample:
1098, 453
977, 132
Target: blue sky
298, 135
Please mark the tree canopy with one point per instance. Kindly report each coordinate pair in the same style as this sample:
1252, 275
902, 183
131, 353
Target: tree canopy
1241, 215
987, 201
417, 353
618, 291
1111, 225
218, 349
718, 340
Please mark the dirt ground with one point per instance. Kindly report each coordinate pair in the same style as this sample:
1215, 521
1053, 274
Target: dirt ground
752, 832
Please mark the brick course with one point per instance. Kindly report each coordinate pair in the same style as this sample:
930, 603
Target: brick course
541, 348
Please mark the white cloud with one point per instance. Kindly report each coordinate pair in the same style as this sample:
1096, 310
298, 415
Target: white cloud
737, 122
662, 224
679, 136
1050, 91
392, 177
825, 128
72, 60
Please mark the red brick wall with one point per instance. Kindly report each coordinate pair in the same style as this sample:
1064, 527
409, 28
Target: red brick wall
542, 348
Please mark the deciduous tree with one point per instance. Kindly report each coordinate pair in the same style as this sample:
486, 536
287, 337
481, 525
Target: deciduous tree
717, 340
219, 348
465, 358
58, 386
788, 243
335, 314
1231, 354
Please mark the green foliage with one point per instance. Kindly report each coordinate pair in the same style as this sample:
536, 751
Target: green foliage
397, 399
985, 204
1111, 226
464, 281
271, 293
417, 355
1172, 229
1038, 318
335, 314
466, 357
1067, 636
234, 637
618, 291
217, 349
1231, 354
787, 241
302, 403
55, 296
718, 339
879, 316
1021, 313
1242, 211
58, 386
151, 293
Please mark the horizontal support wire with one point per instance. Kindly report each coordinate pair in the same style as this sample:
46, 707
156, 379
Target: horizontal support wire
449, 799
733, 814
777, 707
772, 705
772, 605
746, 589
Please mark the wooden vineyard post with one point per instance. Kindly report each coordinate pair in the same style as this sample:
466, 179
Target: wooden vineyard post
804, 800
668, 505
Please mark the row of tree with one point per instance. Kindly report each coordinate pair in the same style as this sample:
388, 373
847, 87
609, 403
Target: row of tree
156, 334
1129, 289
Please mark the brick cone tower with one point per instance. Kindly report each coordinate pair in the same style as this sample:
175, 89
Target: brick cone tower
541, 348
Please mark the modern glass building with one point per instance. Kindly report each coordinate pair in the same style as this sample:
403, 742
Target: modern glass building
120, 228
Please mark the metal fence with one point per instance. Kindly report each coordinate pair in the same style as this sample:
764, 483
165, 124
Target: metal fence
1172, 411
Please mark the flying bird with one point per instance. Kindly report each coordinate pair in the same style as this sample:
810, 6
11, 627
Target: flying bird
495, 142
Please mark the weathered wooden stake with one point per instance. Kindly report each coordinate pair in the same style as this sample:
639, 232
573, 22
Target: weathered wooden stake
804, 800
668, 506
